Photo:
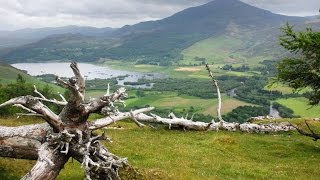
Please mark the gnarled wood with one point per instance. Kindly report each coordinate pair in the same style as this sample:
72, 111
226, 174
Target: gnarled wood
137, 114
183, 123
22, 142
35, 105
49, 164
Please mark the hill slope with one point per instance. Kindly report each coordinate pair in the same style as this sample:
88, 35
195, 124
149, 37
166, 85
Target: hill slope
30, 35
163, 40
9, 74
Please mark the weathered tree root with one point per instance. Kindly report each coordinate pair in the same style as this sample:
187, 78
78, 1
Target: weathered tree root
68, 134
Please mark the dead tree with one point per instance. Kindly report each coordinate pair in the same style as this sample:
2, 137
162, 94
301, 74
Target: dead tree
215, 126
67, 134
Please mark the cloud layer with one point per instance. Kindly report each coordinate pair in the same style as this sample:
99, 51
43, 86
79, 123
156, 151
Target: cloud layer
17, 14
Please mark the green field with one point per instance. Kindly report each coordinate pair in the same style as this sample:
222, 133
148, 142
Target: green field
171, 154
177, 71
170, 100
301, 107
219, 50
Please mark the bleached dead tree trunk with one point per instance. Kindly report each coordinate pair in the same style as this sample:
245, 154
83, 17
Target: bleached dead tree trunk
215, 126
215, 84
68, 134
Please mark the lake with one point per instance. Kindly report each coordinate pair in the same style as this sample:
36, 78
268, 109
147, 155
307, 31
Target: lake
90, 71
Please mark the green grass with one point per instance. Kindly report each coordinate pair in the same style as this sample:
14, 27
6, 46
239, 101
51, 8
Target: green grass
177, 71
301, 107
222, 49
9, 74
284, 88
173, 154
279, 87
171, 100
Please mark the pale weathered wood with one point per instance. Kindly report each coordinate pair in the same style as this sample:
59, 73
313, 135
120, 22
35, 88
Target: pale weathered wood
49, 164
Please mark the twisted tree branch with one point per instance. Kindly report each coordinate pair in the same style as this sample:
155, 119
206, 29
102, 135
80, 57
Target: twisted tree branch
33, 105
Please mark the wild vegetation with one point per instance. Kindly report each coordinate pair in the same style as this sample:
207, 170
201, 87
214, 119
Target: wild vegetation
244, 66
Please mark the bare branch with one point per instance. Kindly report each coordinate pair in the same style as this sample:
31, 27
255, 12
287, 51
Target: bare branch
37, 92
137, 114
135, 120
43, 98
30, 114
312, 134
95, 105
27, 109
62, 97
215, 83
34, 105
214, 126
108, 90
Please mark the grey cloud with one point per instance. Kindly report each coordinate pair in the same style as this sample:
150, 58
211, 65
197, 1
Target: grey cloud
15, 14
288, 7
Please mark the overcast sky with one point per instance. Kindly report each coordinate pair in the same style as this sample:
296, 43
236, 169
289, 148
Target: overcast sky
17, 14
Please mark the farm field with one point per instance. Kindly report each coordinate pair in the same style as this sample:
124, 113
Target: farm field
180, 71
301, 107
171, 100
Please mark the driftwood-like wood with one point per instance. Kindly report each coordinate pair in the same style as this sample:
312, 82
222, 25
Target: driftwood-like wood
69, 133
186, 124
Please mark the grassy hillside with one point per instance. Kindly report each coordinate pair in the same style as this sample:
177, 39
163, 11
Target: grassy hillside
172, 154
301, 107
240, 47
8, 74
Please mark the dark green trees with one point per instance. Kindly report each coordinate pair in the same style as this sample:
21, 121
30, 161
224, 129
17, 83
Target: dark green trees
302, 68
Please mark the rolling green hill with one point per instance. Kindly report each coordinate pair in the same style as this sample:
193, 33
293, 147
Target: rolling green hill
8, 74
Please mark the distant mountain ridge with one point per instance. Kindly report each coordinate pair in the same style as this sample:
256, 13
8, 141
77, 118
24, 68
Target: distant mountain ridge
31, 35
164, 40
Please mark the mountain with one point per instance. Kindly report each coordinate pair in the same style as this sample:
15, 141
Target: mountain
29, 35
164, 41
